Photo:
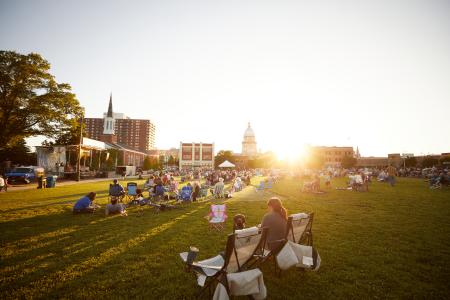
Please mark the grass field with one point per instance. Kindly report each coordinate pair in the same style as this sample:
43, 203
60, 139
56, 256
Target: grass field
387, 243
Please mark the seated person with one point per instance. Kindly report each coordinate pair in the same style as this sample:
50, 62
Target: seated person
116, 189
186, 192
158, 189
139, 200
276, 221
218, 188
239, 222
195, 191
85, 204
315, 184
115, 208
173, 186
149, 183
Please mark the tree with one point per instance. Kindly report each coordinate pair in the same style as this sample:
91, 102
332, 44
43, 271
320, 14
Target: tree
410, 161
147, 163
171, 161
18, 154
315, 160
348, 162
445, 160
31, 101
222, 156
429, 162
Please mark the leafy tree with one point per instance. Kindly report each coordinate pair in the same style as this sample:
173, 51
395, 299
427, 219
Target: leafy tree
147, 163
410, 161
348, 162
445, 160
222, 156
171, 161
31, 101
315, 160
18, 154
429, 162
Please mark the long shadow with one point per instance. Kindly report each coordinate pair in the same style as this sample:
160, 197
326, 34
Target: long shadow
116, 233
144, 260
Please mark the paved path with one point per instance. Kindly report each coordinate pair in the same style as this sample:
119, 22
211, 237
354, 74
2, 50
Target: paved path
33, 185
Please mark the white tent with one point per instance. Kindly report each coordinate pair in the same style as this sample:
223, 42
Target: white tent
226, 164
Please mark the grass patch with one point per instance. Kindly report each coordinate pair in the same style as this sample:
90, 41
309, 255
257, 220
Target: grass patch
388, 243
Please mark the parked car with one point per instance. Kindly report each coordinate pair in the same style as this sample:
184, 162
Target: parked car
22, 175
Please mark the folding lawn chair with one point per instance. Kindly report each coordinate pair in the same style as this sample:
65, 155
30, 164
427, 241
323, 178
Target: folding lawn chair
298, 231
159, 194
203, 192
298, 250
241, 247
217, 216
131, 191
300, 228
218, 191
115, 191
186, 193
261, 187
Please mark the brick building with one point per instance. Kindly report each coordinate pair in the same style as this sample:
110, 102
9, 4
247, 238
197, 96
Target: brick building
333, 155
135, 134
196, 155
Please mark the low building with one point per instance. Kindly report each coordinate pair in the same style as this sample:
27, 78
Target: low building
94, 155
196, 155
372, 162
332, 155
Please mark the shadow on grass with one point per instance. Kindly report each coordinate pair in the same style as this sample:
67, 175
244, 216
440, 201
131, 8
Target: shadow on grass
82, 248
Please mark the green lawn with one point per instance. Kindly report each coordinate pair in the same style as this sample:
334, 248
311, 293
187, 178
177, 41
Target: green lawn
387, 243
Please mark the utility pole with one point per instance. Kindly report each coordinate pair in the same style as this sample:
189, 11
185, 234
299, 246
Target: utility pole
79, 145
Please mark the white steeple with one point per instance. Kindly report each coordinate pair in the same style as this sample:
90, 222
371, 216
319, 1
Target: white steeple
108, 120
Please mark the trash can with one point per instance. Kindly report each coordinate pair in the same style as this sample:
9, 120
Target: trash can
51, 181
42, 182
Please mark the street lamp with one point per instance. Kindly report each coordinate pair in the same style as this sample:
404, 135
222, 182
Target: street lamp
79, 145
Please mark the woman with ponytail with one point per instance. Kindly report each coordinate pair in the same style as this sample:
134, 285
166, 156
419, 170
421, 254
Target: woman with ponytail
275, 220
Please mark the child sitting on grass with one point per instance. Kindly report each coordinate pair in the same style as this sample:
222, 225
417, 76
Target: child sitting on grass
86, 204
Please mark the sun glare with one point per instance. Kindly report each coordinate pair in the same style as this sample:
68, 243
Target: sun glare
291, 154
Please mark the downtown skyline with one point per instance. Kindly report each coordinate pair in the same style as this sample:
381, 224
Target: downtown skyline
357, 73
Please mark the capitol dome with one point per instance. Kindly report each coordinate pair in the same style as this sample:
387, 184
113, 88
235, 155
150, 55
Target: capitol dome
249, 132
249, 142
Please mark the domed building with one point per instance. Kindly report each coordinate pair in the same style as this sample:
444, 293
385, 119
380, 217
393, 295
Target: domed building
249, 143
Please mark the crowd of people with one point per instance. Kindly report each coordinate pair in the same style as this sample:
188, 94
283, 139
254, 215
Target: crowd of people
165, 187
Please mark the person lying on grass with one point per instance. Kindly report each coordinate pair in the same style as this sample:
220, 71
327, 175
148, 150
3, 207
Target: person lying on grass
115, 208
86, 204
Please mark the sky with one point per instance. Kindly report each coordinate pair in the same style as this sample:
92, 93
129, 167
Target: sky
372, 74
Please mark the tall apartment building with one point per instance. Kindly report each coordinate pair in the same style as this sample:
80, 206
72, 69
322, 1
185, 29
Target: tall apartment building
117, 128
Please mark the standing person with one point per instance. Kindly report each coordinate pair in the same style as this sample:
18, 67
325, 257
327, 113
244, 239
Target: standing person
276, 220
85, 204
3, 184
392, 172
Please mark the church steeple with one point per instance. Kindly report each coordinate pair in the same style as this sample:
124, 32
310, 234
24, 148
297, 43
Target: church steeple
109, 122
109, 114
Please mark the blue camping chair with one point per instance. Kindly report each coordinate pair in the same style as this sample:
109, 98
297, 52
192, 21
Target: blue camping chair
131, 191
160, 192
260, 187
269, 184
186, 193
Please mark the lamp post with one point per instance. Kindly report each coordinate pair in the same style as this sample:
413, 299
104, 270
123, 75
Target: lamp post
79, 145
